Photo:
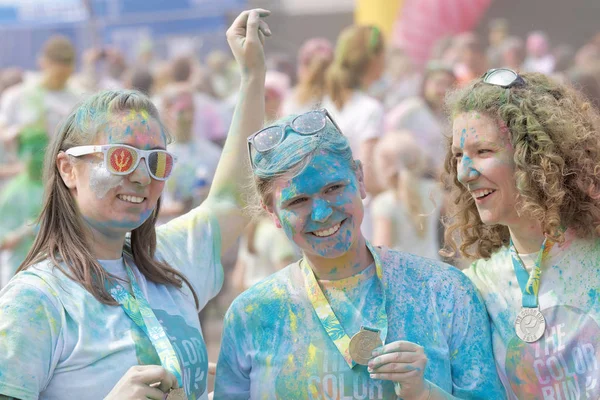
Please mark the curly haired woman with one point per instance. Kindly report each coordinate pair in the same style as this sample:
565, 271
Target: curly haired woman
524, 165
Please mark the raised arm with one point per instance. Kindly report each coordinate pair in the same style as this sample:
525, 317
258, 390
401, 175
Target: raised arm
226, 199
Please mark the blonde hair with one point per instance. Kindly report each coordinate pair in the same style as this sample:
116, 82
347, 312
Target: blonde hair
356, 48
61, 237
554, 132
315, 57
401, 165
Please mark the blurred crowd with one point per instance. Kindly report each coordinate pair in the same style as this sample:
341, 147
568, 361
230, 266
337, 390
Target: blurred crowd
390, 109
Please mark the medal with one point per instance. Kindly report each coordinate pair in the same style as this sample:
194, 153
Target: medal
530, 324
366, 340
363, 343
177, 394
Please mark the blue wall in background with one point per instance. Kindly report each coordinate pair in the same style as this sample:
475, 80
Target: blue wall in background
170, 26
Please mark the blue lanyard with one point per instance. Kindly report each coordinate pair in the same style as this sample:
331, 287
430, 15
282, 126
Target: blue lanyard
137, 308
529, 282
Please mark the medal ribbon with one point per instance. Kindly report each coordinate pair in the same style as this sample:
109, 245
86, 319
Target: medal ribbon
137, 308
328, 319
529, 282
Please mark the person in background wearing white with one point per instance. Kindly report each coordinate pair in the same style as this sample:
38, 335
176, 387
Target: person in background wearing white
314, 58
423, 116
42, 101
277, 85
539, 57
406, 215
358, 62
264, 249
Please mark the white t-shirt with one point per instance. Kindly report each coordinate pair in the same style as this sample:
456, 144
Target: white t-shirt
565, 363
361, 119
58, 341
291, 106
29, 103
272, 248
404, 234
275, 347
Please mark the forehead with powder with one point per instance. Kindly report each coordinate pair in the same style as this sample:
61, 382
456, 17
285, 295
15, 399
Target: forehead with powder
324, 169
137, 128
473, 127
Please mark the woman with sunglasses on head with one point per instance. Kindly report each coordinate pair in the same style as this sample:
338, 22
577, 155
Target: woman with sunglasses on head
348, 321
105, 306
523, 164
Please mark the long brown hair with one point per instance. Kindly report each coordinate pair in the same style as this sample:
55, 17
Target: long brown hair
554, 132
315, 57
356, 47
61, 238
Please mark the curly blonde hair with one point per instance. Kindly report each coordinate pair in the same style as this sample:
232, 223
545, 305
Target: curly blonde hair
556, 141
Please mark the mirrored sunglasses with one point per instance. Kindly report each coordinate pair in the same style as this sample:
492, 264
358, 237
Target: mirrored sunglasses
121, 159
503, 77
307, 124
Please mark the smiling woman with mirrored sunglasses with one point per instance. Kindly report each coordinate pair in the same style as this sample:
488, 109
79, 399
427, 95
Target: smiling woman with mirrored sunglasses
523, 166
105, 306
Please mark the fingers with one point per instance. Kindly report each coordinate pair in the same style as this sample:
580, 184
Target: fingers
399, 357
399, 345
263, 28
240, 24
155, 394
252, 27
148, 374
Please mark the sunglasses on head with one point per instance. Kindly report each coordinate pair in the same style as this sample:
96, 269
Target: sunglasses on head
307, 124
121, 159
503, 77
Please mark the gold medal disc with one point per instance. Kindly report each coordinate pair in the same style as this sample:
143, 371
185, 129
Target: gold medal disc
362, 345
177, 394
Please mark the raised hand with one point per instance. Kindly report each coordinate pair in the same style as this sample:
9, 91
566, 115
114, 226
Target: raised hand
246, 37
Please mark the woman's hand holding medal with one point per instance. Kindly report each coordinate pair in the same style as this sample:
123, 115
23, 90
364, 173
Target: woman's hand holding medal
144, 382
403, 363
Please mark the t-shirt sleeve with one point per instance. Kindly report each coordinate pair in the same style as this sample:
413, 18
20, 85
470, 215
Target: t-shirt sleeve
191, 244
30, 325
372, 125
474, 374
234, 366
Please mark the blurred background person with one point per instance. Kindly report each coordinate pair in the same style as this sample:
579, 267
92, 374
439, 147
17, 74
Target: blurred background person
103, 69
423, 116
141, 79
403, 78
497, 35
42, 101
471, 60
207, 123
264, 249
513, 53
192, 120
277, 86
406, 215
358, 62
314, 58
539, 57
